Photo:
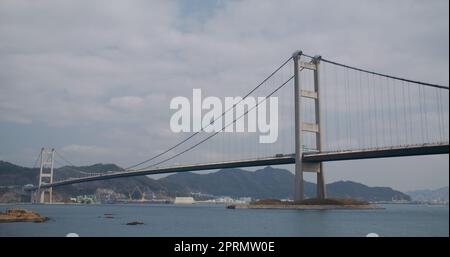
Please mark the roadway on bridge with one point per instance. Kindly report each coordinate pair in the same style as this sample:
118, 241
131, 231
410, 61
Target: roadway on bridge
275, 160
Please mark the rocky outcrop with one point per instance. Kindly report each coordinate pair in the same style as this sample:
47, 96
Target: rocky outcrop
132, 223
20, 215
307, 204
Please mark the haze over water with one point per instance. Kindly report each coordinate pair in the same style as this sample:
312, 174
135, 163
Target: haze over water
216, 220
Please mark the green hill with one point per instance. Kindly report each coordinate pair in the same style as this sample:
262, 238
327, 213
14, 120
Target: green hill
261, 184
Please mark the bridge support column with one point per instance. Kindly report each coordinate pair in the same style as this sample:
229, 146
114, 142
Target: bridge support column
300, 126
45, 176
321, 186
299, 184
33, 196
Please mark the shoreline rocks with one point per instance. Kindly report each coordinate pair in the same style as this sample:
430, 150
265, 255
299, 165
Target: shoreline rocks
305, 207
21, 215
308, 204
108, 216
135, 223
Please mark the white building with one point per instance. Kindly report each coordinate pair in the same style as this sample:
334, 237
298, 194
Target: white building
184, 200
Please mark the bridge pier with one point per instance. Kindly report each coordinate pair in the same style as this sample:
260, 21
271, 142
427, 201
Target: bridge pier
32, 196
321, 186
42, 195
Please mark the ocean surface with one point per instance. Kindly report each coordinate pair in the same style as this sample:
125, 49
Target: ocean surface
216, 220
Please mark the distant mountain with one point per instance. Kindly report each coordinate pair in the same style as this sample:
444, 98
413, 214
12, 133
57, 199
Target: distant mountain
11, 174
264, 183
349, 189
427, 195
274, 183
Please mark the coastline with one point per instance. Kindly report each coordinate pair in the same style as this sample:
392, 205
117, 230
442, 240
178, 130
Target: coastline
21, 215
306, 207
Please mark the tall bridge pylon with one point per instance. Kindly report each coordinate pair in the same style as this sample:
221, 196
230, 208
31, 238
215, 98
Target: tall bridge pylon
45, 176
305, 127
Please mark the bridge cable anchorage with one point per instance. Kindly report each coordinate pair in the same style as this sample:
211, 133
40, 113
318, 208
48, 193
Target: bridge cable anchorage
223, 127
380, 74
202, 128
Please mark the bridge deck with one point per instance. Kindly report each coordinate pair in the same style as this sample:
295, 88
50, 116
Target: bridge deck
276, 160
377, 153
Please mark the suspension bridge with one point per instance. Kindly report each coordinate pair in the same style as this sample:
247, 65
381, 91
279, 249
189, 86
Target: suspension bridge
328, 111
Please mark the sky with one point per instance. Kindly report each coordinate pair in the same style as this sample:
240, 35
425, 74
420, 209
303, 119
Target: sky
94, 79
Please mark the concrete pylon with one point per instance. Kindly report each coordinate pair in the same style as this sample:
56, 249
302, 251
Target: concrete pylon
45, 175
298, 181
300, 127
321, 186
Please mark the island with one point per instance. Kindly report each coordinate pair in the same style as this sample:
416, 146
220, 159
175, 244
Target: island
307, 204
21, 215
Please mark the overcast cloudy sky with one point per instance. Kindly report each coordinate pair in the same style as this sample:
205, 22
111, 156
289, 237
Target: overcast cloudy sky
94, 78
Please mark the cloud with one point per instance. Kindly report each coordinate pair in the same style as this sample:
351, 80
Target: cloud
90, 154
87, 150
127, 102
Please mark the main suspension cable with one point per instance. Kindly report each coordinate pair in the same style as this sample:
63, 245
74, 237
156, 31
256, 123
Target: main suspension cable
217, 132
380, 74
202, 128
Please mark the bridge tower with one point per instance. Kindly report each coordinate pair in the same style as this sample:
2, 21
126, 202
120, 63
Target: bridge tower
46, 175
300, 127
